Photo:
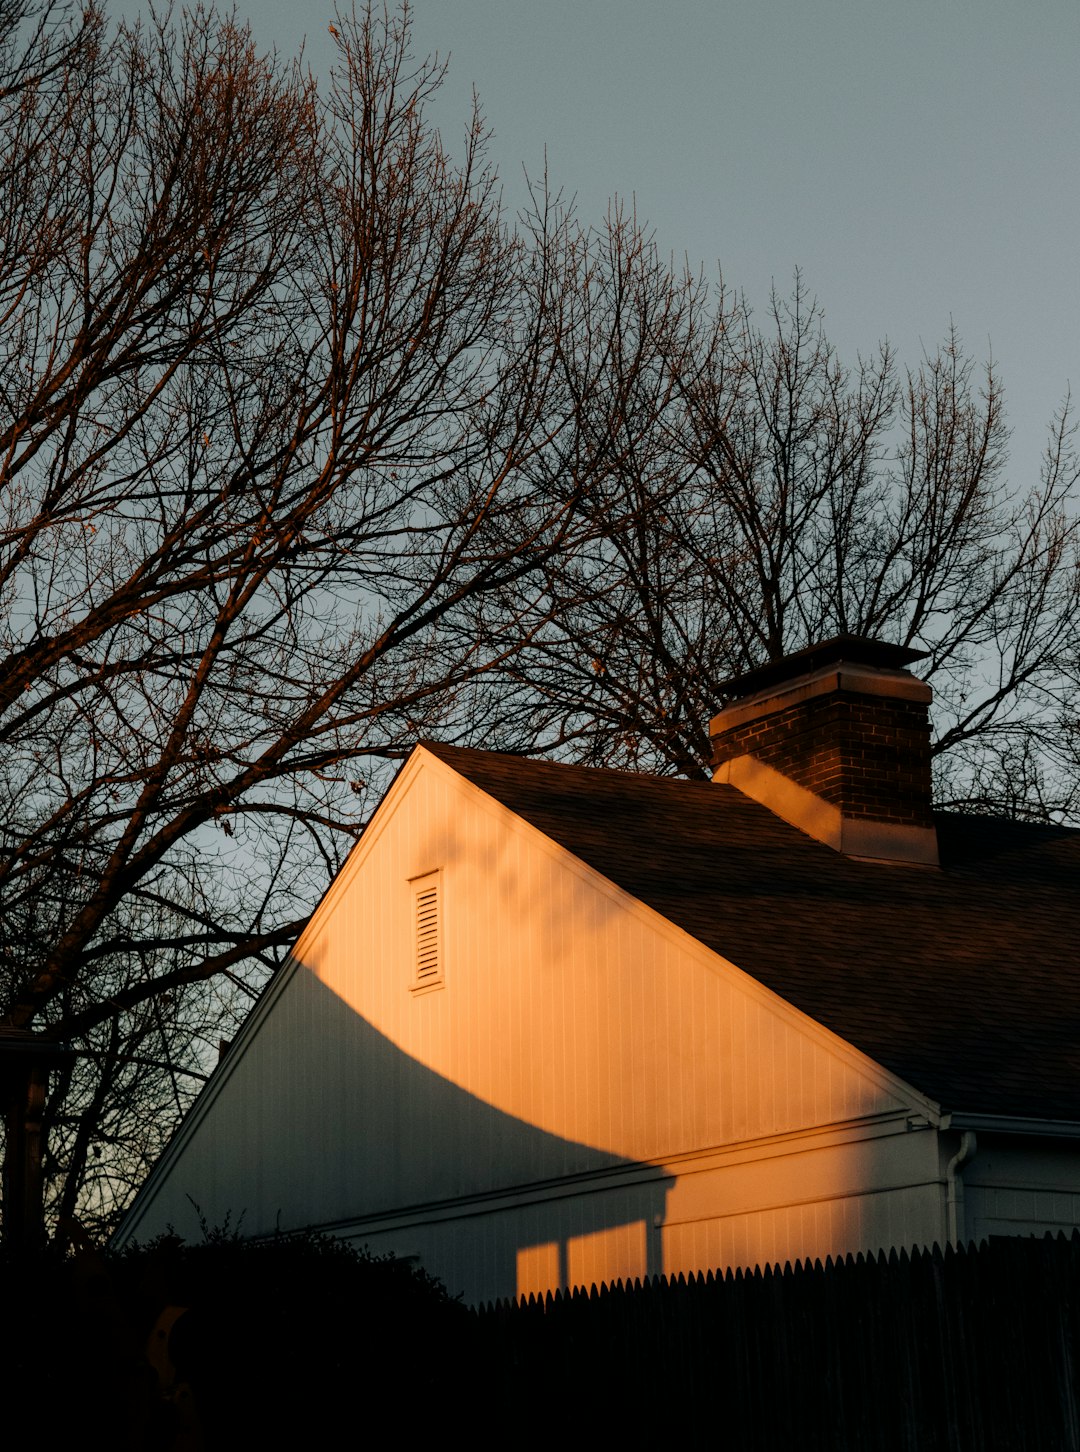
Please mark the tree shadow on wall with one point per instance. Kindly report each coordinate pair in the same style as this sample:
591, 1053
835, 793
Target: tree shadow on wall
319, 1120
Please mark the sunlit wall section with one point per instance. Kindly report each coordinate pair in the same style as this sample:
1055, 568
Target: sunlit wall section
546, 1093
565, 1005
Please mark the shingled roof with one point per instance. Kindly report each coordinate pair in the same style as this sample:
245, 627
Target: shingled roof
963, 980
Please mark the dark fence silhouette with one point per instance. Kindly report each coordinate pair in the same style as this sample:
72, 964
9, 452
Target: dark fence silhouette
287, 1343
970, 1348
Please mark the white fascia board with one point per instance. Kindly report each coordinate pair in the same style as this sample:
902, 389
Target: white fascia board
1010, 1124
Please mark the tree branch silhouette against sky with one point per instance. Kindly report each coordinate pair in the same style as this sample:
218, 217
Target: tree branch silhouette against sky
322, 432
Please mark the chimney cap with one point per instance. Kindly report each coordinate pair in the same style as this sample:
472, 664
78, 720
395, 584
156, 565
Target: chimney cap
856, 649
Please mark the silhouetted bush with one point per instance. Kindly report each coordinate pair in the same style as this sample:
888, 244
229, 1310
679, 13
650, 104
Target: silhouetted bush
231, 1342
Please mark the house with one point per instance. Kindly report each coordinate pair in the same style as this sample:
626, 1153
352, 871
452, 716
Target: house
554, 1025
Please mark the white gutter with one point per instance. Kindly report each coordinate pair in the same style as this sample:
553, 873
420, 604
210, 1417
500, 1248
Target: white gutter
954, 1193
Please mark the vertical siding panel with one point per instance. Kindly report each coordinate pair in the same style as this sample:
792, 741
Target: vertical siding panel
670, 1119
594, 999
665, 1053
572, 953
741, 1048
652, 978
705, 1123
724, 1120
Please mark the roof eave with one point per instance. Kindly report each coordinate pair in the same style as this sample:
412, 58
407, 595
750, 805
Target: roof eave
1013, 1124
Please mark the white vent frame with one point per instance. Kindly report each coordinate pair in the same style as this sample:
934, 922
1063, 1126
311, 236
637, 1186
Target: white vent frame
427, 905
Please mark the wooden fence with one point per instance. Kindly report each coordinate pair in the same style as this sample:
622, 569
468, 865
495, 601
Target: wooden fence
972, 1348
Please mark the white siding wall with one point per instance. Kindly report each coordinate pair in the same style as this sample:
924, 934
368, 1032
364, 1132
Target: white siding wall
811, 1198
562, 1009
576, 1035
1012, 1188
805, 1201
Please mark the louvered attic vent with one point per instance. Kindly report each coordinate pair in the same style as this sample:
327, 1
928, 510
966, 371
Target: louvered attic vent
429, 964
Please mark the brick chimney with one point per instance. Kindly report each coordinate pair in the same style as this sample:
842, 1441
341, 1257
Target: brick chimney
836, 740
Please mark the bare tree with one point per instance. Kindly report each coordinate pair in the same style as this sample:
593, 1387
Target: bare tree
279, 387
305, 453
775, 498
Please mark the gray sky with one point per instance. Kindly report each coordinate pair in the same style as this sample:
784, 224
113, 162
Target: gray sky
917, 159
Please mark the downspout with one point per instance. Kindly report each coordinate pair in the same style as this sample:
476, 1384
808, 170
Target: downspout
954, 1186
